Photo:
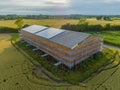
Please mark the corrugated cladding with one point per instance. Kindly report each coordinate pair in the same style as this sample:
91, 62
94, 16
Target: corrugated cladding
34, 28
66, 38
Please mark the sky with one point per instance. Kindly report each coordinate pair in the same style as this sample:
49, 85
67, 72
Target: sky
60, 7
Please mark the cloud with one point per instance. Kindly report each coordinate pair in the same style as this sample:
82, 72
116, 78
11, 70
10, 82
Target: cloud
57, 3
111, 1
60, 6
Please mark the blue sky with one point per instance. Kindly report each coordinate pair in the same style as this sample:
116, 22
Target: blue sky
88, 7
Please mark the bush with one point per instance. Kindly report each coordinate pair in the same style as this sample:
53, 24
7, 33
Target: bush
8, 30
86, 27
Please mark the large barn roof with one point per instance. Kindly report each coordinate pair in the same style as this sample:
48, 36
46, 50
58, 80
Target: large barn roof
66, 38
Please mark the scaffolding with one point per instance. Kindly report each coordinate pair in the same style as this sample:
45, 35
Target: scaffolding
67, 47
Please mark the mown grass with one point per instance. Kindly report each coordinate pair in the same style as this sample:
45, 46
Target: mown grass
110, 37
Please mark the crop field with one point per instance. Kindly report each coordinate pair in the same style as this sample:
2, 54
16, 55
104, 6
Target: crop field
16, 73
102, 22
57, 23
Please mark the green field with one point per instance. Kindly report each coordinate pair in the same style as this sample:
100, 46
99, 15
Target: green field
110, 37
16, 73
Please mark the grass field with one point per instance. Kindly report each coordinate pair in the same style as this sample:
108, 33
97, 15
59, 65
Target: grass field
110, 37
16, 73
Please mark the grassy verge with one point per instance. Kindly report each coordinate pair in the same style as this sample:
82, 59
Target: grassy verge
14, 37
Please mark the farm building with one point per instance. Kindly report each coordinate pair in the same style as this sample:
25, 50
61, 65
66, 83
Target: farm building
67, 47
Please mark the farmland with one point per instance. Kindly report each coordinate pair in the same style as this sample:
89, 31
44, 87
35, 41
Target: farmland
17, 73
57, 23
110, 37
102, 22
50, 22
17, 70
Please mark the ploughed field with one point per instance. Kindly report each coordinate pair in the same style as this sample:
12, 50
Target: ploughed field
16, 73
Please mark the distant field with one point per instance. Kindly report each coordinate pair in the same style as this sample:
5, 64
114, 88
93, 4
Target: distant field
102, 22
57, 23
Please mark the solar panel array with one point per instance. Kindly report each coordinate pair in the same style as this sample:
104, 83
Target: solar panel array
49, 33
70, 38
66, 38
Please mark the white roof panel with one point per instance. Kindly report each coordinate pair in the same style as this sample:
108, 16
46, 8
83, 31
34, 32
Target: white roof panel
34, 28
49, 33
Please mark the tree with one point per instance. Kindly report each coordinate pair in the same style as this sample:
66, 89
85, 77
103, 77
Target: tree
99, 17
19, 22
107, 26
106, 18
82, 21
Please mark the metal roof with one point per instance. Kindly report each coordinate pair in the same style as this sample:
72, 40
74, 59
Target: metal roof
66, 38
70, 38
34, 28
49, 33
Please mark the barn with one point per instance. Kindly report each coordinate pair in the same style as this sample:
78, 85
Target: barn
67, 47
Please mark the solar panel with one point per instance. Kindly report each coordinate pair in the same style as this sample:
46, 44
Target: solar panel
49, 33
34, 28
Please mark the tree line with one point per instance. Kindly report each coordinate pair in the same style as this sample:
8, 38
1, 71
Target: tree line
83, 26
73, 16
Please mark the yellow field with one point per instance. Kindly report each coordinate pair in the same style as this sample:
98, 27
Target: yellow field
102, 22
16, 73
51, 22
57, 23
